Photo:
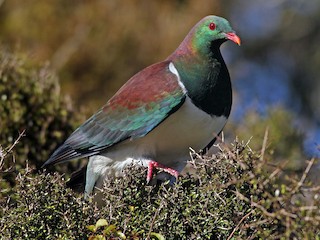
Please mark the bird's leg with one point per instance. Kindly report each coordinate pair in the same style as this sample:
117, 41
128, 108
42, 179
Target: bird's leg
153, 164
150, 169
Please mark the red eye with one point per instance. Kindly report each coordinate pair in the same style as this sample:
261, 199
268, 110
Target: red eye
212, 26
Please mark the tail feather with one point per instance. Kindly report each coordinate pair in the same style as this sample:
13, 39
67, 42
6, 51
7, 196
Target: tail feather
78, 179
66, 153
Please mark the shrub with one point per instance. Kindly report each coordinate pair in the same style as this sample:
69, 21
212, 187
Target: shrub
30, 101
285, 140
229, 195
44, 209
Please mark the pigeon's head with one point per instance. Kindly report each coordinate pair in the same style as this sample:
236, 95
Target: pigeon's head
213, 30
205, 38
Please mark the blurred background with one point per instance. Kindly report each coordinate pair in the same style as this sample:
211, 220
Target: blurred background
95, 46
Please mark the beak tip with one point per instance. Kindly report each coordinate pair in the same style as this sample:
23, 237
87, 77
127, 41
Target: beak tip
234, 37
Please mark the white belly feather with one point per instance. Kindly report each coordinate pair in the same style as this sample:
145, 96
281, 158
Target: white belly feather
167, 144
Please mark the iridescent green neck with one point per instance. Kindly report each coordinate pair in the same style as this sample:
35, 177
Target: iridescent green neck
205, 76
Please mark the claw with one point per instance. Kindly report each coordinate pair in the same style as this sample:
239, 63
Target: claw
153, 164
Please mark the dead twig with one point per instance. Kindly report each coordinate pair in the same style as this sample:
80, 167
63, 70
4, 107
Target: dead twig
304, 176
239, 223
154, 219
22, 134
5, 152
264, 144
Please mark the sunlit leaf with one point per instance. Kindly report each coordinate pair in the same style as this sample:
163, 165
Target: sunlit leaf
101, 223
110, 229
157, 236
121, 235
92, 228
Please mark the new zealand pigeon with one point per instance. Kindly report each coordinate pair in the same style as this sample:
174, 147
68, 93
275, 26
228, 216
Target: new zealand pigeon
181, 102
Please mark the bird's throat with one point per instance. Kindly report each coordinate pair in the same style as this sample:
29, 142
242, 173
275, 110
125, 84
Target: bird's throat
207, 81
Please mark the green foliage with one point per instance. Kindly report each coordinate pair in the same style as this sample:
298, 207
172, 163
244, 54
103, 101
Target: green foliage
44, 209
228, 195
107, 231
284, 140
30, 101
228, 189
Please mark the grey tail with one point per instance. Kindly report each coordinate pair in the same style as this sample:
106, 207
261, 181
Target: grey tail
78, 179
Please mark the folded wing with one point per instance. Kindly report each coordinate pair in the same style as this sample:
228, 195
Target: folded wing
147, 99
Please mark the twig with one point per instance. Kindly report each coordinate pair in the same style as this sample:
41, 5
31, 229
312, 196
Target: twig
264, 144
223, 143
247, 143
304, 175
311, 189
265, 211
154, 219
218, 196
241, 220
16, 141
3, 154
309, 208
278, 170
254, 204
194, 154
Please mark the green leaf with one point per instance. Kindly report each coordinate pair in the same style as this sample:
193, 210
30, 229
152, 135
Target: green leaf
92, 228
101, 223
110, 229
99, 237
157, 236
121, 235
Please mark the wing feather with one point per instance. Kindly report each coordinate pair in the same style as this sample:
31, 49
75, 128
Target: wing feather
139, 106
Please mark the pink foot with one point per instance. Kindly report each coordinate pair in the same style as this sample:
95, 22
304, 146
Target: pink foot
150, 169
153, 164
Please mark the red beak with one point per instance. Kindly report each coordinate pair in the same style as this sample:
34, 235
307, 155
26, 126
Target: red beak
233, 37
